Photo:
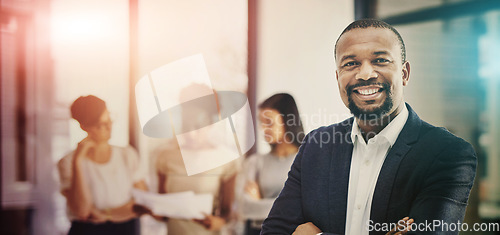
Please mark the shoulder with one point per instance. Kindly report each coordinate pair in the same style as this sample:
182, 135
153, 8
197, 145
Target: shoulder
344, 126
167, 148
126, 151
442, 135
255, 156
440, 140
432, 138
166, 157
442, 157
65, 161
321, 144
253, 159
334, 133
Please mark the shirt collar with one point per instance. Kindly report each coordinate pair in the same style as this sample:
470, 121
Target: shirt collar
390, 132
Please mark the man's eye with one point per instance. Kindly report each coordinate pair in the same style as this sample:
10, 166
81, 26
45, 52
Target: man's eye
349, 64
381, 60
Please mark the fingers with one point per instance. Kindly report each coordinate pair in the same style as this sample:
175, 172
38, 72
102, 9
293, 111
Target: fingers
407, 228
306, 228
96, 217
160, 218
402, 227
85, 145
97, 220
211, 222
205, 222
140, 209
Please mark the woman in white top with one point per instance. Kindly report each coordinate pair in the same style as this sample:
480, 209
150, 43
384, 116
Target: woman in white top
97, 178
264, 175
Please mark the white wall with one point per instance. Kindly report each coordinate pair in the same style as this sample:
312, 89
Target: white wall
171, 30
295, 44
90, 52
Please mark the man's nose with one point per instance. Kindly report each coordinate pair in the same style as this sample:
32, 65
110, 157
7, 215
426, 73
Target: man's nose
366, 72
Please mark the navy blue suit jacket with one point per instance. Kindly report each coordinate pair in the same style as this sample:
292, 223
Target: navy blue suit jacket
427, 175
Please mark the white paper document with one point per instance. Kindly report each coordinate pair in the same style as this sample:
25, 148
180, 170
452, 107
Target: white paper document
182, 205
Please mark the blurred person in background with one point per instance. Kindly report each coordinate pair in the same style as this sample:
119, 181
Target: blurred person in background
198, 140
263, 175
97, 178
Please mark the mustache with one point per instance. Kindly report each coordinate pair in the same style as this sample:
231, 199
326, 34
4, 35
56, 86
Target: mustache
384, 86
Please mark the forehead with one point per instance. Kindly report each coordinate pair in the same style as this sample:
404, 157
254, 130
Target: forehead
104, 116
368, 39
268, 113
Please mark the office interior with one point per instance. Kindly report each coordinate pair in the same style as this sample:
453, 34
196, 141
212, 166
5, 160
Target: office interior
53, 51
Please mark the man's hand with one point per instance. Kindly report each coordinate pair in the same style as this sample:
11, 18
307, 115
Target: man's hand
306, 229
402, 228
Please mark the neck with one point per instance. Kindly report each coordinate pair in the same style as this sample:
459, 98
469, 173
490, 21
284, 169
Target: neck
284, 149
101, 144
370, 128
101, 152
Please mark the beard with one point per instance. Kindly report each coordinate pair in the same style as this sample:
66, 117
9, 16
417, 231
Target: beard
376, 113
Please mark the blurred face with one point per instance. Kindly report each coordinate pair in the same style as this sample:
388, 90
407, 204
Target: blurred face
370, 72
101, 131
197, 126
272, 123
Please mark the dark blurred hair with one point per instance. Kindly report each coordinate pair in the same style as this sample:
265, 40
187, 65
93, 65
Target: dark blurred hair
87, 109
374, 23
286, 106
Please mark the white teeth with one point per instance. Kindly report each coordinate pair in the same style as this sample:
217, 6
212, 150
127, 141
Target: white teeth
367, 91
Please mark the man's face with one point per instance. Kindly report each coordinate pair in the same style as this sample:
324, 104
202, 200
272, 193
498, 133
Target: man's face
370, 72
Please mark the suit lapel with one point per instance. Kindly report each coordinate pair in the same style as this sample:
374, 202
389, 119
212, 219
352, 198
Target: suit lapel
340, 166
385, 181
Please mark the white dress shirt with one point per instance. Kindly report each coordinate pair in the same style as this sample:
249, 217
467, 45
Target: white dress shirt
367, 160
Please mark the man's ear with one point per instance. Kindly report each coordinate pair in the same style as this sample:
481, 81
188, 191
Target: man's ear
337, 75
406, 73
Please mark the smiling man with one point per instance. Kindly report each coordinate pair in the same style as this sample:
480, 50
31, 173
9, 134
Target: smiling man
368, 172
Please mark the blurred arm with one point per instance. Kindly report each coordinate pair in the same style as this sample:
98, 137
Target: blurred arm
78, 193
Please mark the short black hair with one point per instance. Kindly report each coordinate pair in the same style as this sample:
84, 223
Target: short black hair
374, 23
87, 109
285, 104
